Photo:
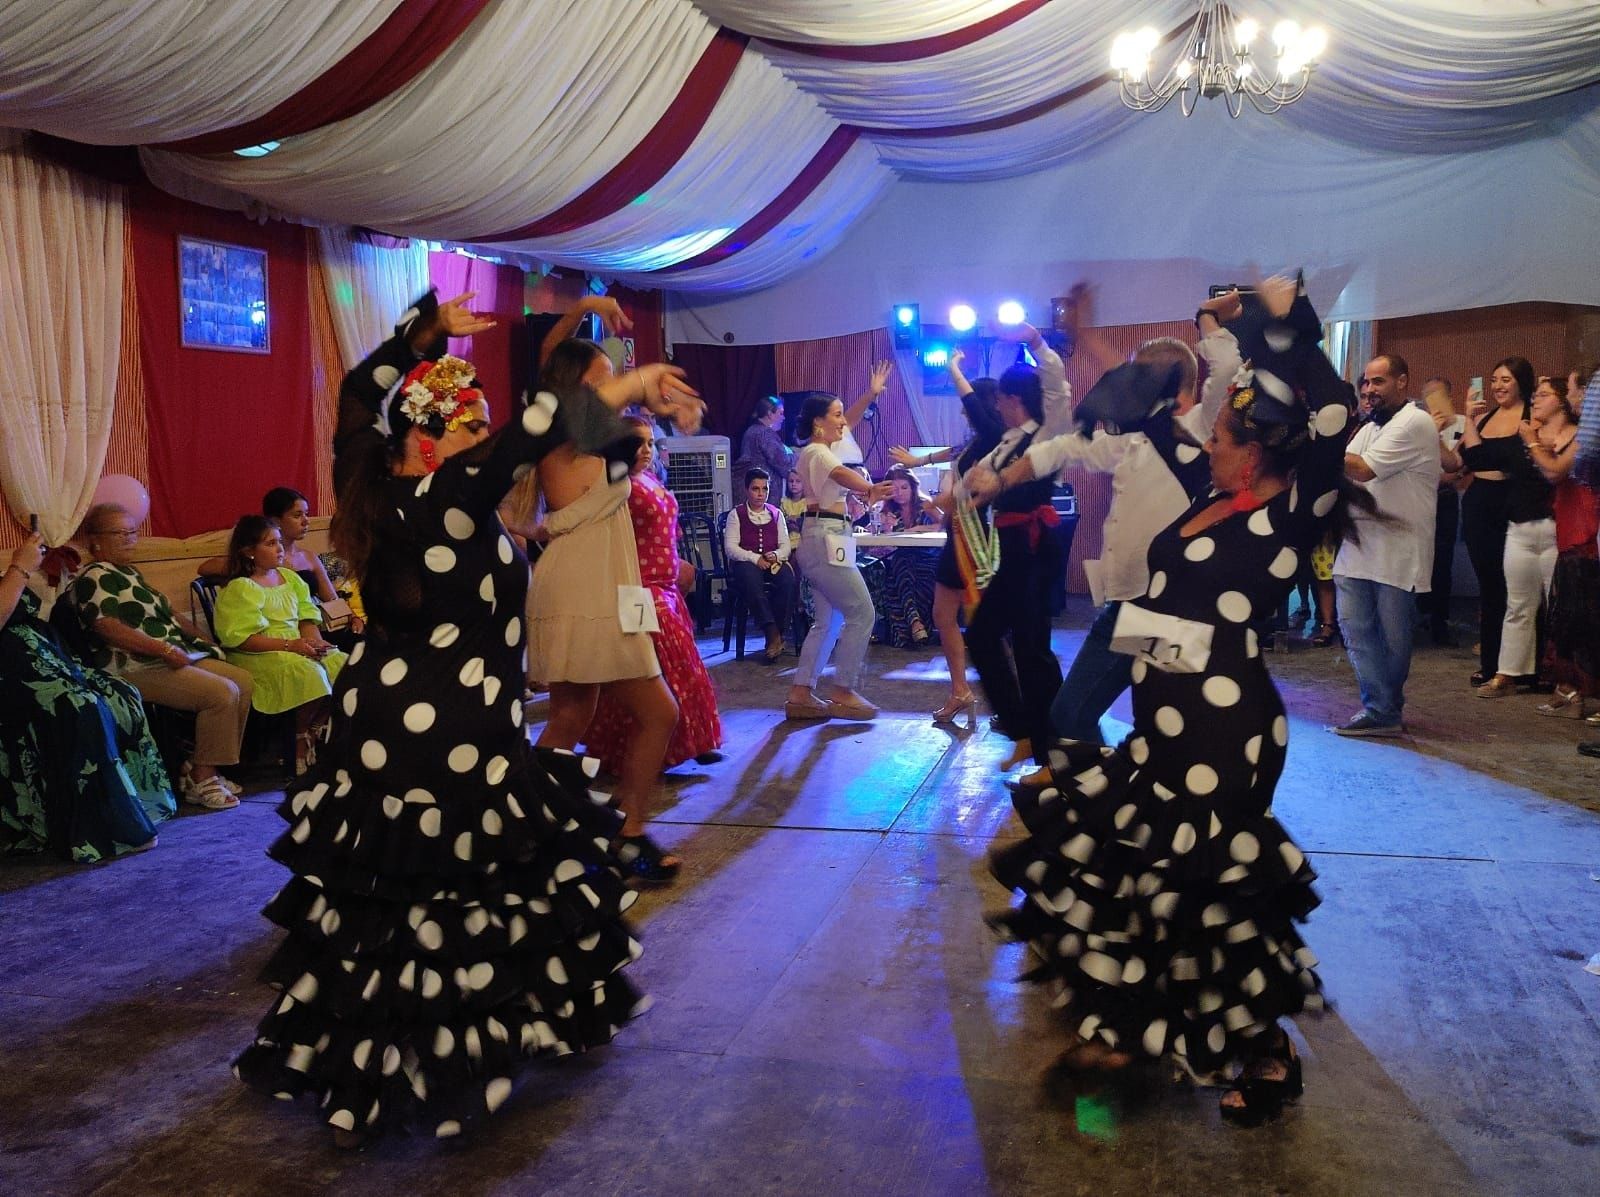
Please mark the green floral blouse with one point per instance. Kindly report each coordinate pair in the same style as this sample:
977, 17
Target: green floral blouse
106, 591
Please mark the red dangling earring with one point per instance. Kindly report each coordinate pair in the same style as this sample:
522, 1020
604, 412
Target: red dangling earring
1244, 498
430, 460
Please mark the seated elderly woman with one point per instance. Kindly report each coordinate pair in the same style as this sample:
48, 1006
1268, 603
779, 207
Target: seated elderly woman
266, 620
79, 773
137, 637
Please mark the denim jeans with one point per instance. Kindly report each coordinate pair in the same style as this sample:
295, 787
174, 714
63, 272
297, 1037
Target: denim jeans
1097, 676
844, 611
1376, 620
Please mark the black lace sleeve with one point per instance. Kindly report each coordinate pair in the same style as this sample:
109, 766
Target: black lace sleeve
364, 388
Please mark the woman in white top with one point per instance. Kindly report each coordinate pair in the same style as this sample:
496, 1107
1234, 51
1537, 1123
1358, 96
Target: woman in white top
826, 557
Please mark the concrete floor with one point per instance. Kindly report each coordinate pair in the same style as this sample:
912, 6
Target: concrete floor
831, 1014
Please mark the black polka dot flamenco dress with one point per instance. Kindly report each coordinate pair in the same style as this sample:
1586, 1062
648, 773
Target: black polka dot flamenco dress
451, 912
1159, 893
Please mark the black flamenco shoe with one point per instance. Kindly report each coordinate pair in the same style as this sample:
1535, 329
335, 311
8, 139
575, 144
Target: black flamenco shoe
1264, 1098
642, 859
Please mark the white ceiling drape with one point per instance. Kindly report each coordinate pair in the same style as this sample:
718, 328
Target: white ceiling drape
160, 70
538, 101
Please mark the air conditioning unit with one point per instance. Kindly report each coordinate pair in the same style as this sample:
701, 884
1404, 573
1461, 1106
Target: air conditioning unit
699, 473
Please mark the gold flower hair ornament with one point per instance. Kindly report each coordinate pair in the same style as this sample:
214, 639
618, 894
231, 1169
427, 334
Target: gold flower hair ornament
1276, 423
440, 393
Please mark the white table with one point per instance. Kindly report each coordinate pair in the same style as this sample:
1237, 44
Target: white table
933, 539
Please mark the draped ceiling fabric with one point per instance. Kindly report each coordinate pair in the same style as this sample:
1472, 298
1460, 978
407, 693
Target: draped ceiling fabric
716, 147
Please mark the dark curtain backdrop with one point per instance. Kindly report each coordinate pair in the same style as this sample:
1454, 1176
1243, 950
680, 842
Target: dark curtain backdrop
224, 427
730, 378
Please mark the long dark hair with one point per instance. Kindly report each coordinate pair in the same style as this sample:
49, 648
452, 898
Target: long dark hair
276, 502
247, 534
908, 518
568, 362
1521, 369
816, 406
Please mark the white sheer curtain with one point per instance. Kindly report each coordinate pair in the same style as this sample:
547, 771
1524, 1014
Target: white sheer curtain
937, 418
368, 287
1349, 344
60, 333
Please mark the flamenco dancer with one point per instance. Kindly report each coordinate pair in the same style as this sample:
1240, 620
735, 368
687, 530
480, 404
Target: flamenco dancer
698, 733
1158, 890
451, 912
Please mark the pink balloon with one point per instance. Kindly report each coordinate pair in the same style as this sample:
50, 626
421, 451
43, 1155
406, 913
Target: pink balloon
126, 492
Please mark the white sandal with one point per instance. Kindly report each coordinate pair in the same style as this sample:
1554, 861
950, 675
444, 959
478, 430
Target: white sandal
210, 793
187, 774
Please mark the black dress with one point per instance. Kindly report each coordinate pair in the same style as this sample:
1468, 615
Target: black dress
451, 913
1158, 891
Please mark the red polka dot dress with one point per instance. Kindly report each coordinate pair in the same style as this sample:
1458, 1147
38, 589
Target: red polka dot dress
655, 529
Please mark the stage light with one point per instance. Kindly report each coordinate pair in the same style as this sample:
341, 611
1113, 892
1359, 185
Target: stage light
936, 356
963, 318
906, 325
1012, 312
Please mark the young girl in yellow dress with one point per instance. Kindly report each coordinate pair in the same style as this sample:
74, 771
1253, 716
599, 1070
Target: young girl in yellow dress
269, 626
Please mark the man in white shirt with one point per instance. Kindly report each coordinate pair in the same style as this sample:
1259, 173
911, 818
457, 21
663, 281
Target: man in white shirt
1385, 562
756, 541
1145, 498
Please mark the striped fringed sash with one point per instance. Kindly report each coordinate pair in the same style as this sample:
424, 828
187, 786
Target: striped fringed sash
977, 547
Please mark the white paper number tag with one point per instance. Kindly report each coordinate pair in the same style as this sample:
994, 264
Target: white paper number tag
841, 548
1165, 641
636, 609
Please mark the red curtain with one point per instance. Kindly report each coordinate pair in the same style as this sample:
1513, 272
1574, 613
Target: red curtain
224, 427
730, 378
843, 366
501, 355
645, 310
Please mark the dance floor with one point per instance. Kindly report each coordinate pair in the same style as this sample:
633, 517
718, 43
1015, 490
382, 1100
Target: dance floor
832, 1015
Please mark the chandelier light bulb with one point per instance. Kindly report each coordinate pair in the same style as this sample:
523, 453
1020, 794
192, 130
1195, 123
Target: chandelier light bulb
1122, 52
963, 318
1224, 55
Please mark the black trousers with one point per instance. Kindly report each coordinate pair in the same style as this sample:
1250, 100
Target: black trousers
1008, 639
1447, 527
770, 597
1483, 527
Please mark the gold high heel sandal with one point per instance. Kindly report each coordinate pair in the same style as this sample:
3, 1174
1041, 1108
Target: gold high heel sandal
967, 702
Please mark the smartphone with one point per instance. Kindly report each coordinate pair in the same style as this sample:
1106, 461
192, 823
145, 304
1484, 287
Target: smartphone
33, 522
1474, 390
1217, 289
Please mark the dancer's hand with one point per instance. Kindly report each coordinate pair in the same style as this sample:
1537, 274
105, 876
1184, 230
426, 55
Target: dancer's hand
983, 484
612, 318
880, 378
903, 456
1278, 294
457, 320
1225, 307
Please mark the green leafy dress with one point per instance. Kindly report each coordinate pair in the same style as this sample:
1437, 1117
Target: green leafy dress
79, 773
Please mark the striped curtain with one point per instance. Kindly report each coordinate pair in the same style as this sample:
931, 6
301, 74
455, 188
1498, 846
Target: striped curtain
842, 366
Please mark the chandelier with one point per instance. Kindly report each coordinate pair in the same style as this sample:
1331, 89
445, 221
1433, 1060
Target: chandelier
1216, 60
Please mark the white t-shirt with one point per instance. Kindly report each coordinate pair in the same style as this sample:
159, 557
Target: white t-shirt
1404, 456
818, 461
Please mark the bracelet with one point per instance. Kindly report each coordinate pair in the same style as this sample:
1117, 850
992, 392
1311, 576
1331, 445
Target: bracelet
1199, 312
27, 575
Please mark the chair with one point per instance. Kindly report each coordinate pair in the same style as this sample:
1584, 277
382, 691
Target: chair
693, 530
203, 592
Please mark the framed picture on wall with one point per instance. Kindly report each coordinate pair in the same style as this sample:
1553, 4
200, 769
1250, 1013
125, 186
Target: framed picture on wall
222, 296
